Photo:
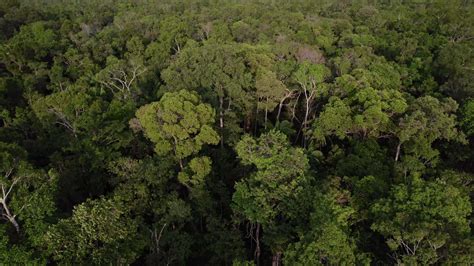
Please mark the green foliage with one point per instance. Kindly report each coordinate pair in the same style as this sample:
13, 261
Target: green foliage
327, 239
34, 41
98, 232
345, 130
178, 124
27, 195
14, 253
269, 89
310, 76
362, 105
419, 218
223, 75
335, 120
269, 192
365, 158
427, 120
468, 118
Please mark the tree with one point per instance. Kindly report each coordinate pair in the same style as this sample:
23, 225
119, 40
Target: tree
361, 107
219, 73
326, 240
264, 197
269, 91
26, 51
99, 231
147, 188
14, 253
25, 192
420, 218
427, 120
26, 205
311, 77
341, 140
468, 118
179, 124
120, 76
9, 181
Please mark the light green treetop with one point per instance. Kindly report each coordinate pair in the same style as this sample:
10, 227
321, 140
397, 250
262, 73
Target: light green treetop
420, 218
279, 175
178, 124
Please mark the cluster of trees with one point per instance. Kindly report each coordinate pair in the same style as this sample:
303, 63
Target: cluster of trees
170, 132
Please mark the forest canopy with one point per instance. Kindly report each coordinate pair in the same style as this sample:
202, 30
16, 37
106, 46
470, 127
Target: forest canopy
214, 132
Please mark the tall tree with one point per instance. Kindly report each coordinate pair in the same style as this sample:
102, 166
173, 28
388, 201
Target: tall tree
420, 218
265, 197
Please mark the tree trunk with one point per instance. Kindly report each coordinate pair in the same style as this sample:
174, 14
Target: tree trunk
9, 216
221, 119
266, 117
15, 224
266, 114
257, 244
293, 112
306, 114
279, 110
157, 238
256, 122
248, 123
276, 259
397, 155
305, 121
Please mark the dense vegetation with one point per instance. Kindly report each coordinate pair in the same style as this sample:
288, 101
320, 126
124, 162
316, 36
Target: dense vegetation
216, 132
